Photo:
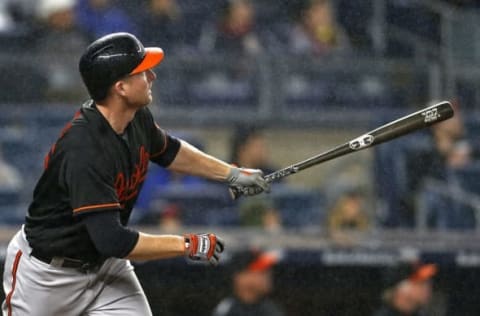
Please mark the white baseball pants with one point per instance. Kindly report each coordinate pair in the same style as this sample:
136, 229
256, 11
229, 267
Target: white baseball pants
33, 287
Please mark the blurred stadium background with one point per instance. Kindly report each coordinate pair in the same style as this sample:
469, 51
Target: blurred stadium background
298, 91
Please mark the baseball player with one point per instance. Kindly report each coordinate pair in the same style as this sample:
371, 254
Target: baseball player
72, 255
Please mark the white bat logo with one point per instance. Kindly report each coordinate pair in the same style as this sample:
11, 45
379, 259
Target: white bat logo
431, 115
361, 142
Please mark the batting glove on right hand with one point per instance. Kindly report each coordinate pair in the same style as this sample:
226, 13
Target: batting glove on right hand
203, 247
248, 181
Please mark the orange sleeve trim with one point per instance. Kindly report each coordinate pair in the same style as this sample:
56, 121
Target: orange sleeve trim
96, 206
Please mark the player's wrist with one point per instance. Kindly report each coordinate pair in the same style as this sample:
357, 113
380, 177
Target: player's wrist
233, 174
187, 244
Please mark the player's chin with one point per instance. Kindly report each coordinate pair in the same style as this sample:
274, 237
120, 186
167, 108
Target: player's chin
148, 99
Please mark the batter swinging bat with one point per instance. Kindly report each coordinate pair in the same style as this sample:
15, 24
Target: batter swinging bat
431, 115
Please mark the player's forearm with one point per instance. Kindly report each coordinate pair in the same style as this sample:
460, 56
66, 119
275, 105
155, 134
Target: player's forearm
152, 247
190, 160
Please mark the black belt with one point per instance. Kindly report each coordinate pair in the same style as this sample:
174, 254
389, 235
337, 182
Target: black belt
65, 262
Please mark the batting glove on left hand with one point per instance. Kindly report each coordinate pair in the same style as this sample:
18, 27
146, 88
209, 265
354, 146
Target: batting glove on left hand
203, 247
249, 181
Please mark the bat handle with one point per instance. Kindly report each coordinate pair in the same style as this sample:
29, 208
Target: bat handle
236, 192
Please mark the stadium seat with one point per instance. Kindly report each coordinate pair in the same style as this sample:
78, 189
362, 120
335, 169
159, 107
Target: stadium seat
445, 211
26, 156
207, 205
9, 197
415, 18
12, 211
212, 83
223, 84
392, 172
21, 83
299, 207
319, 85
468, 178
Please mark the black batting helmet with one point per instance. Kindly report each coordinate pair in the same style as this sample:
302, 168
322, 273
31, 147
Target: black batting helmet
112, 57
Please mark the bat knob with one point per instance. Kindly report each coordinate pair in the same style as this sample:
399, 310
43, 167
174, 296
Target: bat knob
235, 193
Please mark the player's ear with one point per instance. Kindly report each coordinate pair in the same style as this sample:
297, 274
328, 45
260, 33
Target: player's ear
119, 88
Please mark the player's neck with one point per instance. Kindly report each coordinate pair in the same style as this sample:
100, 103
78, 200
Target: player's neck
117, 116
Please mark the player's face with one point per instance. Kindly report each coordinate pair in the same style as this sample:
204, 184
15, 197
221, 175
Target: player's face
137, 87
253, 285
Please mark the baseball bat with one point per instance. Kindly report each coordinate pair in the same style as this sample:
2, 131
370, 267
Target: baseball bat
410, 123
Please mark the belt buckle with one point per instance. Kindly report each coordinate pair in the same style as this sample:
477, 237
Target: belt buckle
86, 266
57, 262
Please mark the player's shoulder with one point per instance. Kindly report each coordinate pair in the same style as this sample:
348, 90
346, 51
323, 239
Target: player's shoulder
84, 130
78, 133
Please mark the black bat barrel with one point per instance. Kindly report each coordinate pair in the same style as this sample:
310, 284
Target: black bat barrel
428, 116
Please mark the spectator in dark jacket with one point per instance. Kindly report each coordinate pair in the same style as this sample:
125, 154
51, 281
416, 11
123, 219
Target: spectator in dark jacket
99, 17
252, 282
161, 22
249, 149
234, 32
408, 291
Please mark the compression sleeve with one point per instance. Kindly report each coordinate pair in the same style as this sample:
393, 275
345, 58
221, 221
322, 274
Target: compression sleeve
111, 239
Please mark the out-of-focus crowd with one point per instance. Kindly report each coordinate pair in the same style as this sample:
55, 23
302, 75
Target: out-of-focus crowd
235, 27
426, 173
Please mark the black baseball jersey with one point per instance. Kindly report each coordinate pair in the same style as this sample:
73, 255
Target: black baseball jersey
92, 169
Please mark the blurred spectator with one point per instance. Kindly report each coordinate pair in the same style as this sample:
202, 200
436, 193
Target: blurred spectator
99, 17
432, 159
249, 149
162, 24
451, 145
59, 45
464, 3
160, 180
409, 290
260, 212
170, 221
451, 151
252, 283
347, 213
316, 31
22, 11
7, 23
10, 178
234, 32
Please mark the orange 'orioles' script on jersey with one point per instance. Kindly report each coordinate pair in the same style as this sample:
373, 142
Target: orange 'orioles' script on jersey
127, 188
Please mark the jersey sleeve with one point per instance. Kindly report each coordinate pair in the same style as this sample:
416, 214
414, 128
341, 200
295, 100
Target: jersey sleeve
164, 147
89, 183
